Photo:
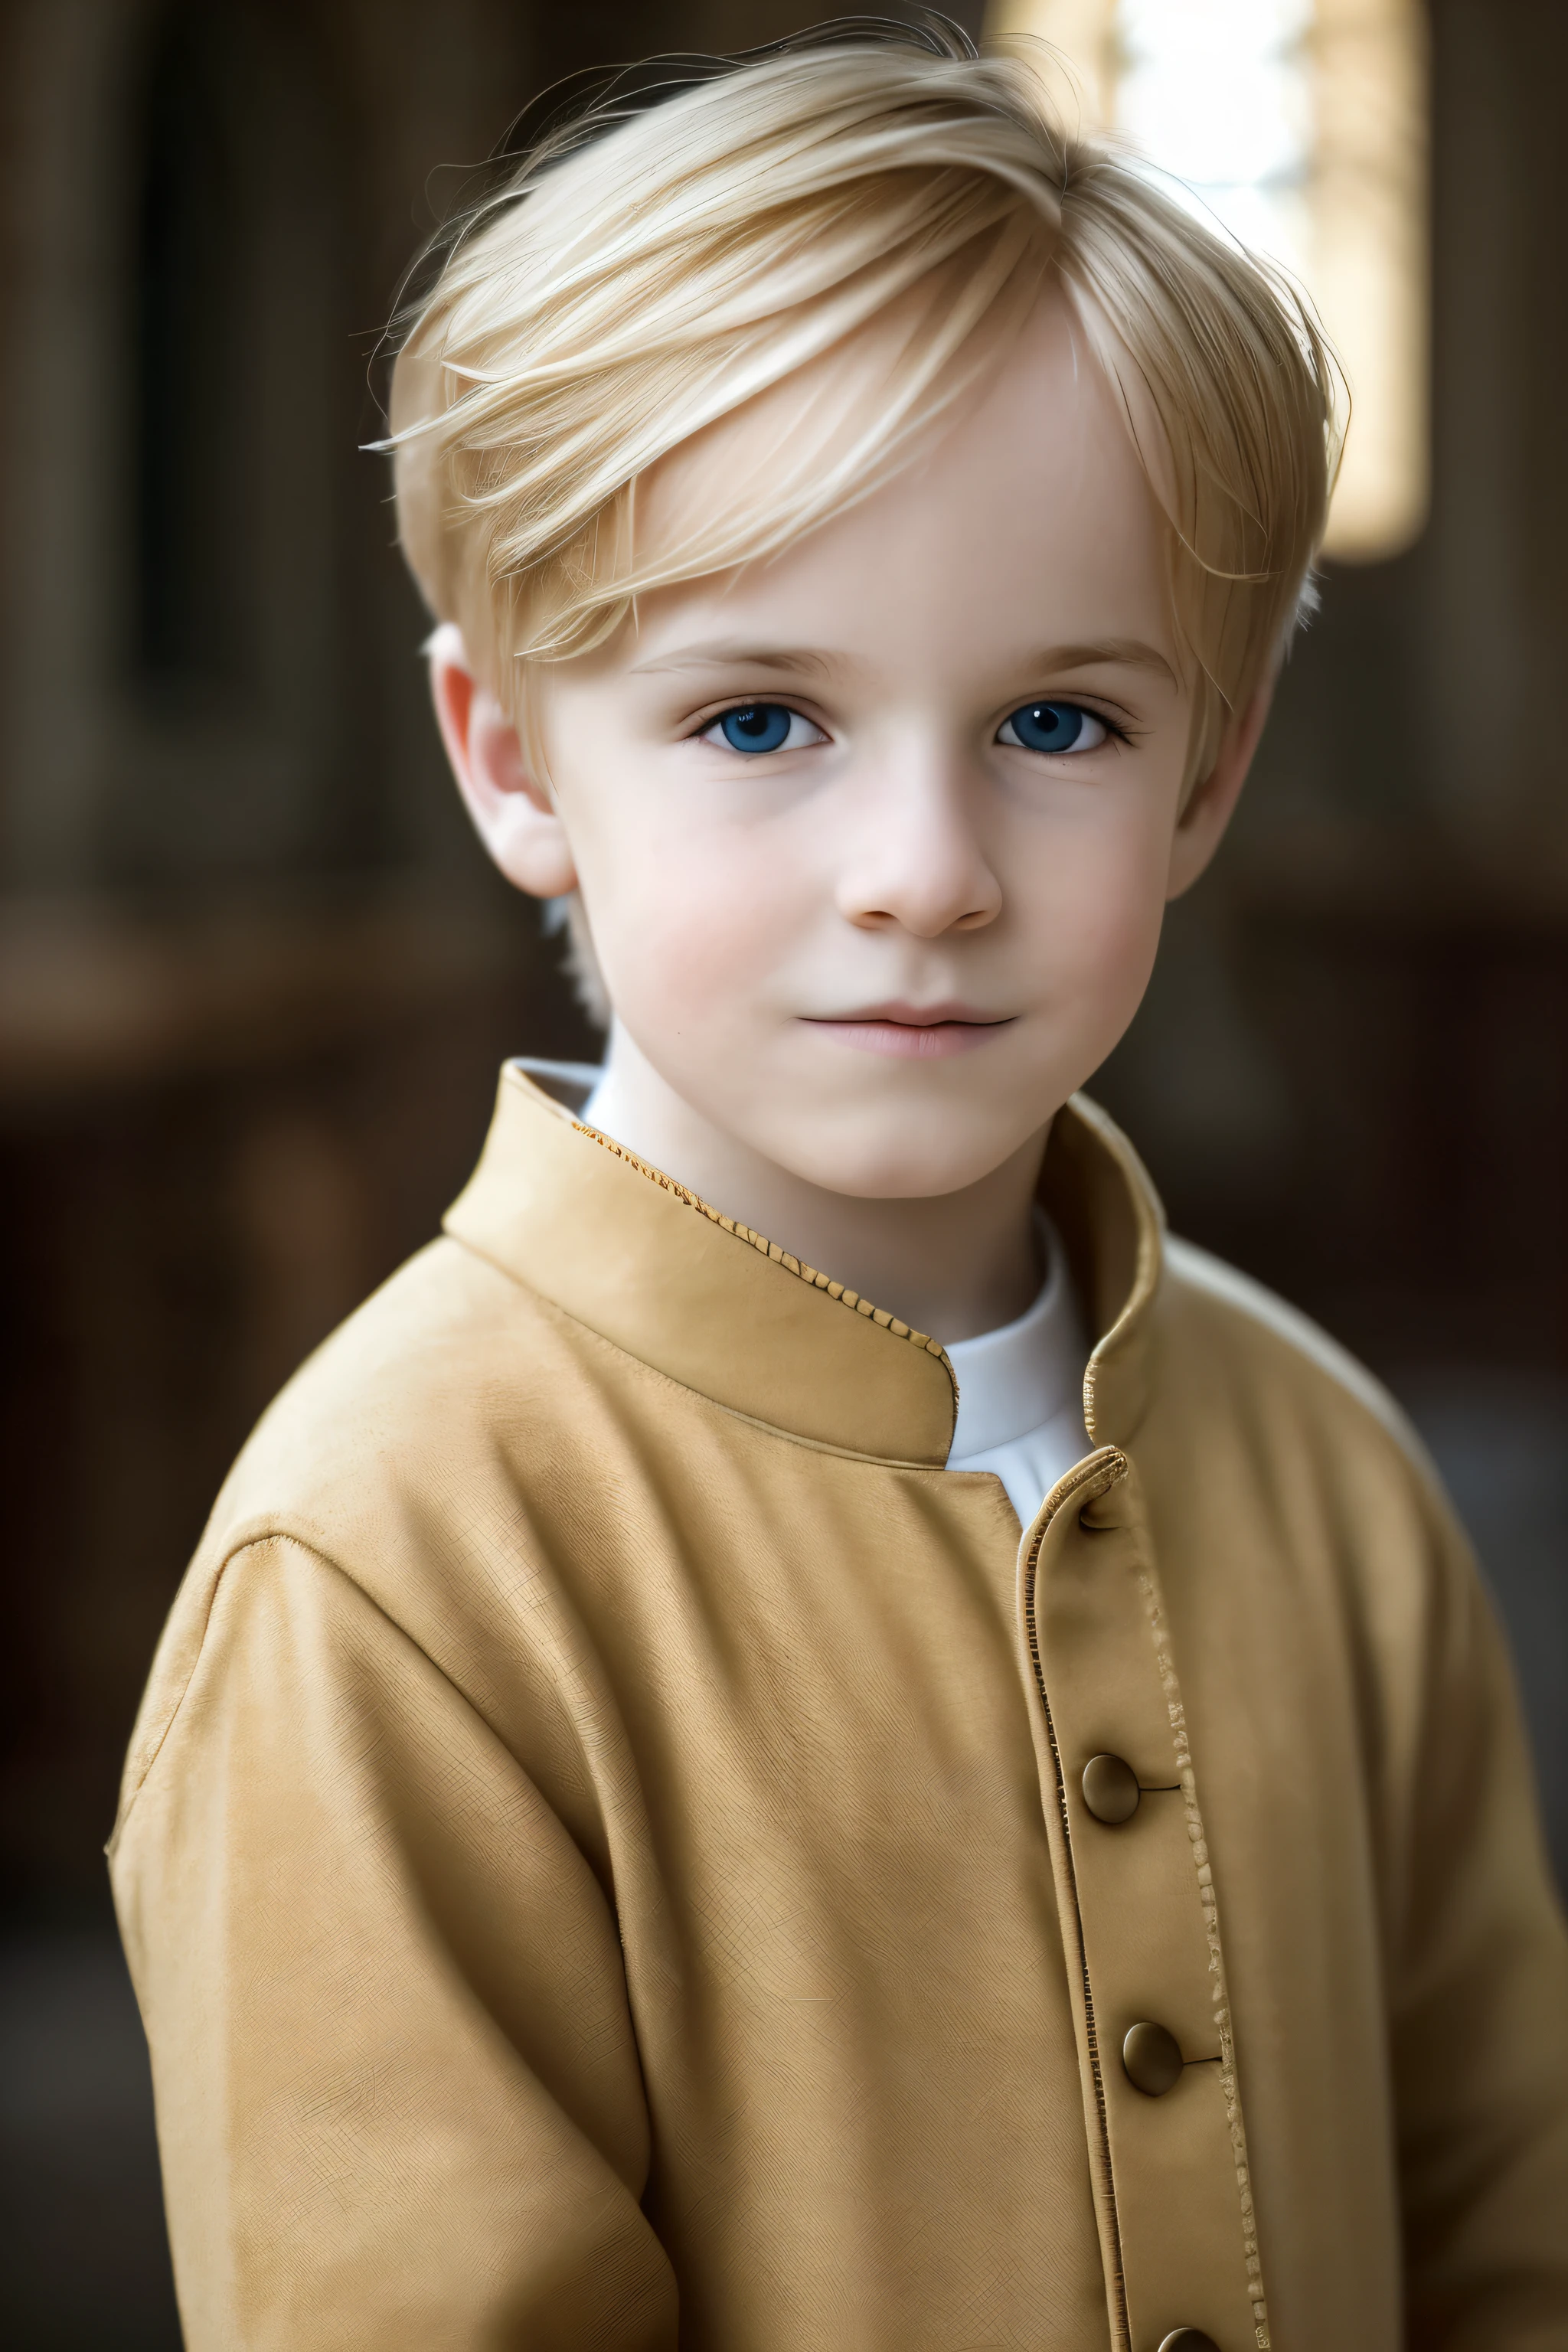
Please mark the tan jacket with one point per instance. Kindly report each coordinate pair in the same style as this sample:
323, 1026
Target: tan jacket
605, 1862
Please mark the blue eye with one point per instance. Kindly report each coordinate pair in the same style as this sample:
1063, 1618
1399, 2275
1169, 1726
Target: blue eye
1053, 727
758, 727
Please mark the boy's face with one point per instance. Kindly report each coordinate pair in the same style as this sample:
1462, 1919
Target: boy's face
875, 839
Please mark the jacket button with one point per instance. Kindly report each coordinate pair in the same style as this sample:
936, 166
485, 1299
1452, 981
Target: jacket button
1153, 2062
1111, 1789
1188, 2339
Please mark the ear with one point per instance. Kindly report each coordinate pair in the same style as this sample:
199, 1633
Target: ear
1211, 803
513, 815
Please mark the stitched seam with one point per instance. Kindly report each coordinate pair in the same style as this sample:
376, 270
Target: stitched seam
684, 1388
236, 1552
280, 1533
1155, 1608
759, 1242
1099, 1476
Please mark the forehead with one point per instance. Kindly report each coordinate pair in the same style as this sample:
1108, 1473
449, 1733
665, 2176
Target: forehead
1028, 515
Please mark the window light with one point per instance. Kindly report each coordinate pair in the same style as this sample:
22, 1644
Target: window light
1301, 126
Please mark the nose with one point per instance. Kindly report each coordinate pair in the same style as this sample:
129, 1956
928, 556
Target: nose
916, 862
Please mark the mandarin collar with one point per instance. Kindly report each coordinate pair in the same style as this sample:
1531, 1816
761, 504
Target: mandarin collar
627, 1250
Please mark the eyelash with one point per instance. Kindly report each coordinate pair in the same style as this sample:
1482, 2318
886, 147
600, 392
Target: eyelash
709, 730
1110, 731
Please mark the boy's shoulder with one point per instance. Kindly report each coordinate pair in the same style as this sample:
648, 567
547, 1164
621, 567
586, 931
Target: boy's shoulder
1240, 1367
407, 1398
378, 1488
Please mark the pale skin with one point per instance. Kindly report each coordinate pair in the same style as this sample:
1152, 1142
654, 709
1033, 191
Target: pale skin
856, 976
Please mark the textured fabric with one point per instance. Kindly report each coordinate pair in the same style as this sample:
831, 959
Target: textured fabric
1020, 1390
1020, 1408
603, 1862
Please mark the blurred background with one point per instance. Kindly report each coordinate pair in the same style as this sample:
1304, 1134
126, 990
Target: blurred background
255, 978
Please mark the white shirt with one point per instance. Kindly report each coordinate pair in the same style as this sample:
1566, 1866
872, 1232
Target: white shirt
1020, 1392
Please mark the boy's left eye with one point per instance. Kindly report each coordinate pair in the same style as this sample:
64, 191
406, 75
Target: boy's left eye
1053, 727
753, 727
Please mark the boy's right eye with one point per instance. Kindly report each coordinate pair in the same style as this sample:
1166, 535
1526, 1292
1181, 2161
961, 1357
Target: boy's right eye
754, 727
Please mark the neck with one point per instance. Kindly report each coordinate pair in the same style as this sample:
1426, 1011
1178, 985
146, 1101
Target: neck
952, 1264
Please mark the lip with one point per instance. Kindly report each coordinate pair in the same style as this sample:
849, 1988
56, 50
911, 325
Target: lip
914, 1033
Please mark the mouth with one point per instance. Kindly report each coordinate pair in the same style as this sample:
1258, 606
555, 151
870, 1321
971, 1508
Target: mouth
913, 1032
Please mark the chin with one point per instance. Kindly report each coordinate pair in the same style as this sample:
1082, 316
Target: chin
912, 1165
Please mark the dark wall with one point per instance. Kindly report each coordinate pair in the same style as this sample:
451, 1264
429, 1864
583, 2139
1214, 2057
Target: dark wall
255, 976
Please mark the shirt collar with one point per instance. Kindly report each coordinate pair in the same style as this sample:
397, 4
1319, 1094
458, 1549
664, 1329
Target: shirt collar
638, 1259
1018, 1376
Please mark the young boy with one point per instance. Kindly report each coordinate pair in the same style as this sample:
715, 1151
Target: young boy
642, 1832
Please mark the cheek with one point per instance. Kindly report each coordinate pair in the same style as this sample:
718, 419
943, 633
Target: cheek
1101, 921
690, 919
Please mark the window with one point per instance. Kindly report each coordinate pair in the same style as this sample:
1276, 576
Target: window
1301, 126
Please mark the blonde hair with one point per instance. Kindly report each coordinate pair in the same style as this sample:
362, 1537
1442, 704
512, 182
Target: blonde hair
641, 274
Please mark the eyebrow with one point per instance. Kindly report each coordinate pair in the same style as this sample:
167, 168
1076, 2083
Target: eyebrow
1121, 653
740, 653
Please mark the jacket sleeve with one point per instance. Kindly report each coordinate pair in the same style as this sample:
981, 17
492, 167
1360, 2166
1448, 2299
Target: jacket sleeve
1479, 2001
399, 2103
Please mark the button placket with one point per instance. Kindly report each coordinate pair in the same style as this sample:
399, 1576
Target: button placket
1137, 1872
